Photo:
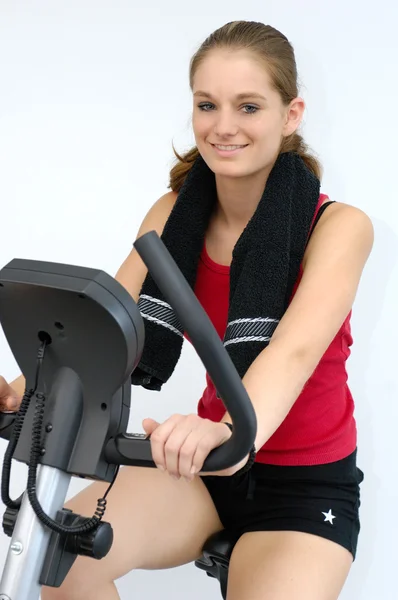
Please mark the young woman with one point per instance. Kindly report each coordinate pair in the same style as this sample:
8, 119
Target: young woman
295, 511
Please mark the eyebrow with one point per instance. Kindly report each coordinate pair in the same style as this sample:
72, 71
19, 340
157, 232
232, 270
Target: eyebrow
241, 96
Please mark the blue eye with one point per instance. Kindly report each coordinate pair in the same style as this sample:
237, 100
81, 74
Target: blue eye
255, 108
206, 106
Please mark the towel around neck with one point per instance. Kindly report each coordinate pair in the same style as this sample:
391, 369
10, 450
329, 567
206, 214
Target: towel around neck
265, 265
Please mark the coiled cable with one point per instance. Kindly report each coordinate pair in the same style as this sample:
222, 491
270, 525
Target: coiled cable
91, 523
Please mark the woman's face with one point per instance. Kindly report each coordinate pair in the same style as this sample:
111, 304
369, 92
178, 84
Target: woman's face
238, 117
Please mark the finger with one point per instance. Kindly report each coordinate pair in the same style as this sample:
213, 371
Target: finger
159, 438
149, 425
9, 403
189, 449
214, 438
4, 393
13, 402
176, 441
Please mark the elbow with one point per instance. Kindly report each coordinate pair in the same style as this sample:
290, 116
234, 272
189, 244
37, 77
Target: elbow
302, 359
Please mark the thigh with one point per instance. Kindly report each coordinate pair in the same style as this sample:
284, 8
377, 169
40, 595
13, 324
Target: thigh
158, 523
281, 565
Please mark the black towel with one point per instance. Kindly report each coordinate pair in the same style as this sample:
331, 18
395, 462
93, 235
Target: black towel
265, 265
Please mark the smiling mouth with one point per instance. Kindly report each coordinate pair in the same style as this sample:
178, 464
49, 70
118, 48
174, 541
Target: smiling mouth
230, 147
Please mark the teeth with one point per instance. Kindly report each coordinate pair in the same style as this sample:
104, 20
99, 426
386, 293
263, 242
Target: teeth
228, 147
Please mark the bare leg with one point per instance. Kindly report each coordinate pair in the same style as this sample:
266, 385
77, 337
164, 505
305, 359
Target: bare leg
158, 523
287, 564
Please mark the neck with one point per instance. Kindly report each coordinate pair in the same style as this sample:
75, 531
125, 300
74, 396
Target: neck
239, 197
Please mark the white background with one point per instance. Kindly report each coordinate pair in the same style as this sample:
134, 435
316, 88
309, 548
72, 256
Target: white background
92, 94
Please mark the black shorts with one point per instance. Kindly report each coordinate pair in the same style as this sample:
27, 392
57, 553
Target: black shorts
322, 499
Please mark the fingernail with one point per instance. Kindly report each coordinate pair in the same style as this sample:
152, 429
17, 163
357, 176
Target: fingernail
175, 477
188, 479
160, 467
194, 470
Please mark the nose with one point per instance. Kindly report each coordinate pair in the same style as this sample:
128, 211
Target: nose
225, 125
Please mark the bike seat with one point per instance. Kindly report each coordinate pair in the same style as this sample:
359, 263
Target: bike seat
216, 555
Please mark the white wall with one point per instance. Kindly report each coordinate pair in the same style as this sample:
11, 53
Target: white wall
92, 94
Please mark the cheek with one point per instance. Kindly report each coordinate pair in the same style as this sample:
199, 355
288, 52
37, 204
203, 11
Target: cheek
271, 125
199, 124
270, 136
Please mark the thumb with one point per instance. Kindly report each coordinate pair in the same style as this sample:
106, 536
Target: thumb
150, 425
9, 398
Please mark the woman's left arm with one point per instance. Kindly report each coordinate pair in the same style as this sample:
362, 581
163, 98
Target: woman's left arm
332, 267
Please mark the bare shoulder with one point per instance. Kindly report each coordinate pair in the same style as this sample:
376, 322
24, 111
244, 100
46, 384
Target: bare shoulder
346, 212
158, 214
332, 268
132, 272
341, 228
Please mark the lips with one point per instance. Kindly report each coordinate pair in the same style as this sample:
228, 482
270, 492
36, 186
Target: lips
228, 150
230, 147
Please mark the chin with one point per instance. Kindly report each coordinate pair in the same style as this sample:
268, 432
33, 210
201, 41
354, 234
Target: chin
231, 169
225, 168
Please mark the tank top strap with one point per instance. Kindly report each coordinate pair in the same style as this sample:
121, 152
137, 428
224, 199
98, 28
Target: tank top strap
318, 213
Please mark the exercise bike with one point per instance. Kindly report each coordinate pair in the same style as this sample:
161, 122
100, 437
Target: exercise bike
77, 335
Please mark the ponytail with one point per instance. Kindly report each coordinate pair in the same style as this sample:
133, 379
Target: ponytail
181, 169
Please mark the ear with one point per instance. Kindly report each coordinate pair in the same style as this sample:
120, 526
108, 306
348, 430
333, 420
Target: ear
293, 116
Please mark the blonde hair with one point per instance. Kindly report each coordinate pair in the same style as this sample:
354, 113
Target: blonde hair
277, 54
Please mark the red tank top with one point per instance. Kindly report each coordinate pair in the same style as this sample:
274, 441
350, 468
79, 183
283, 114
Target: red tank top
320, 427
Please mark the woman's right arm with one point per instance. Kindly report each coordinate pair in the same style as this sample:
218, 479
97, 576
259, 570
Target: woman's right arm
132, 272
130, 275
